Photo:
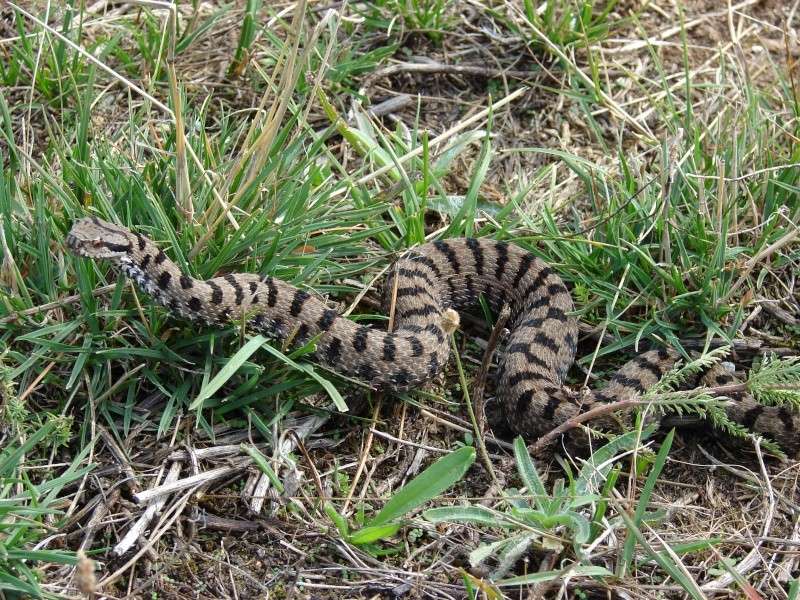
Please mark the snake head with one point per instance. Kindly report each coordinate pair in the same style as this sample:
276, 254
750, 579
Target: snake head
93, 238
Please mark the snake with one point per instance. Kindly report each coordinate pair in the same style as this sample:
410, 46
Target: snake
428, 287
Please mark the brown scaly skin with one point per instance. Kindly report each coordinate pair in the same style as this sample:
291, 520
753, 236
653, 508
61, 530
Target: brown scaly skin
432, 280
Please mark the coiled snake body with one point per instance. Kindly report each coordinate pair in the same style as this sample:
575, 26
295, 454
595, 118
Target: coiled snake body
432, 280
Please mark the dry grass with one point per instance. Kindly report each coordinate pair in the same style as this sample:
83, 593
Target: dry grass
220, 528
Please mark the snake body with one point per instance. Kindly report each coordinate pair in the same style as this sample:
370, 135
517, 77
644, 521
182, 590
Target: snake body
432, 281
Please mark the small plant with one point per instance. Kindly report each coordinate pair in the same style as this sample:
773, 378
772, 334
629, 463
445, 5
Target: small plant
569, 22
247, 36
776, 381
773, 382
429, 16
550, 520
23, 509
431, 482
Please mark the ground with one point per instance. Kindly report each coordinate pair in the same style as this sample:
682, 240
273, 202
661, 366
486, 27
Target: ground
647, 150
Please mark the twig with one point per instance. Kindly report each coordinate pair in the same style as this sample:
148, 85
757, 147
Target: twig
172, 515
131, 481
227, 525
598, 411
391, 105
55, 304
438, 67
195, 480
362, 461
310, 463
476, 430
210, 452
396, 440
138, 528
480, 379
259, 497
574, 422
98, 515
428, 414
753, 557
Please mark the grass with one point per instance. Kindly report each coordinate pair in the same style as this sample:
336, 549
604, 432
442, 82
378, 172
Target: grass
239, 138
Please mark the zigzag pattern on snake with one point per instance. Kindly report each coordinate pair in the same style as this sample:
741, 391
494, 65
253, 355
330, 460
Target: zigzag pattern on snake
431, 280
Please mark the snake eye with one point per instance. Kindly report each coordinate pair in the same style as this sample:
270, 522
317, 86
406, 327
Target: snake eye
97, 243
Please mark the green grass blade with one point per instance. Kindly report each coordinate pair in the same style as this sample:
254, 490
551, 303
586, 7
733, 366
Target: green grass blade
625, 558
427, 485
529, 474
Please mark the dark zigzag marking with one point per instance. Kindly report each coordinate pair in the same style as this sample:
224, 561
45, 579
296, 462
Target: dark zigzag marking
604, 397
452, 258
545, 340
272, 295
537, 283
722, 378
365, 372
277, 326
628, 382
751, 416
645, 364
360, 339
411, 273
257, 323
549, 411
435, 330
333, 351
402, 378
160, 257
237, 289
477, 254
421, 311
524, 348
557, 314
389, 349
553, 312
521, 376
296, 307
522, 269
164, 279
186, 282
216, 292
433, 365
414, 290
126, 248
428, 262
502, 259
523, 403
326, 320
